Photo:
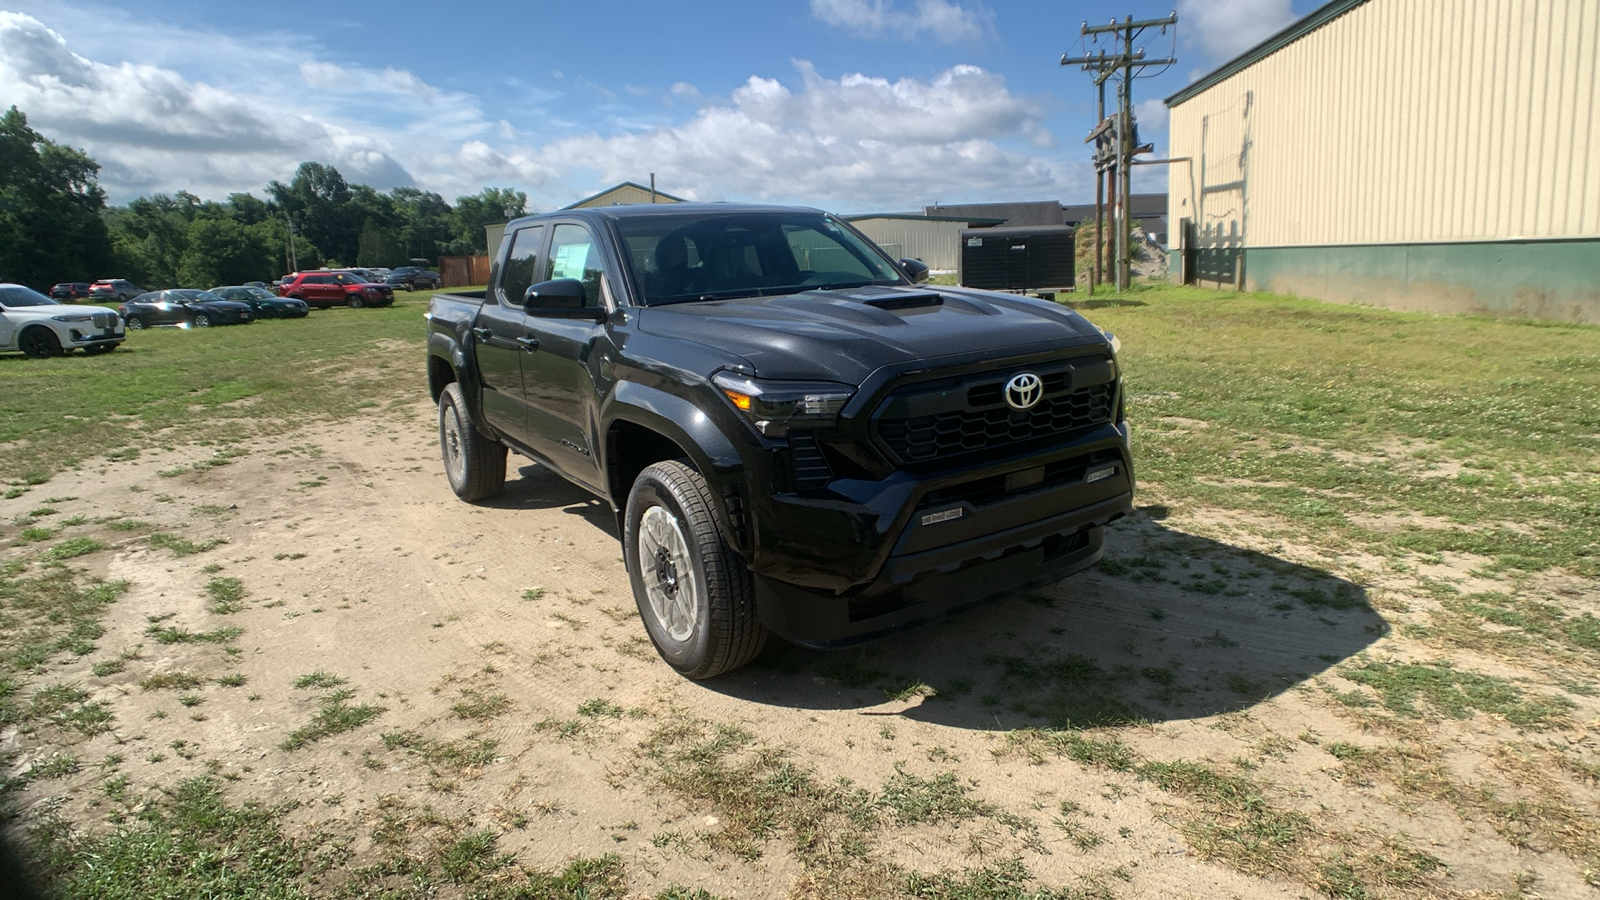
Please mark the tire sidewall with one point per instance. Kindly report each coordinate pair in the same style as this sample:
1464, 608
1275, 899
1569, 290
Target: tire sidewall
450, 407
649, 491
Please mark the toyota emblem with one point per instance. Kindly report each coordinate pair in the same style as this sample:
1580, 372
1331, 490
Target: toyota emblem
1023, 391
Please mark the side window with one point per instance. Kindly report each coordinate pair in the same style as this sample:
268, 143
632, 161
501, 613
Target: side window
573, 254
318, 279
517, 274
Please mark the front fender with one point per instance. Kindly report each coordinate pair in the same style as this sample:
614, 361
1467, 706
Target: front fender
700, 437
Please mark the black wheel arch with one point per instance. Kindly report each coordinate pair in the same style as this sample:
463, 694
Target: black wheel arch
643, 426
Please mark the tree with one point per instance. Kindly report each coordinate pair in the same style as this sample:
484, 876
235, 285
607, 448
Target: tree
221, 251
50, 205
379, 246
487, 207
318, 200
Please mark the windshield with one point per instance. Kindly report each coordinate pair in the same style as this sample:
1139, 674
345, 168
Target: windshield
262, 293
714, 256
17, 295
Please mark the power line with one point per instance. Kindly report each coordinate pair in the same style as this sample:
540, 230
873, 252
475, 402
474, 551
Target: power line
1115, 139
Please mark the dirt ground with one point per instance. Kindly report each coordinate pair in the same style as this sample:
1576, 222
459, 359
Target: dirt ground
513, 622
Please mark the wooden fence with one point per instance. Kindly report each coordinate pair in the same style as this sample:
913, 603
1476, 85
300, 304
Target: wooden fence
459, 271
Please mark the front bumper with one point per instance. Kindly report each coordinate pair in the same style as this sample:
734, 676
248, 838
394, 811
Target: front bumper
907, 549
92, 337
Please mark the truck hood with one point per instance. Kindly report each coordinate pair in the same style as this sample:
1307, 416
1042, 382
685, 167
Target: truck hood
845, 335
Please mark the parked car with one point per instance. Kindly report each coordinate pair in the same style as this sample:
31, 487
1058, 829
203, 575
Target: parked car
118, 289
414, 277
265, 303
186, 308
38, 326
325, 289
68, 291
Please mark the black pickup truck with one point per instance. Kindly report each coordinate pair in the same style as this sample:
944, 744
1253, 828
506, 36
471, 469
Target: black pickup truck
795, 432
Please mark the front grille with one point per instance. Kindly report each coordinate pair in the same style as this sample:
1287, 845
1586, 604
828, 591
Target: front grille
103, 320
924, 425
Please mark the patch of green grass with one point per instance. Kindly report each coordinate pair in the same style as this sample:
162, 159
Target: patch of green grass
174, 372
37, 533
598, 707
172, 681
911, 800
456, 757
227, 595
180, 546
319, 679
72, 548
164, 634
1066, 689
1456, 693
479, 706
1008, 879
335, 716
1235, 822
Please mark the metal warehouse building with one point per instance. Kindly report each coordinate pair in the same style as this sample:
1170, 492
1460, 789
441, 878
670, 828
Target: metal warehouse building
1417, 154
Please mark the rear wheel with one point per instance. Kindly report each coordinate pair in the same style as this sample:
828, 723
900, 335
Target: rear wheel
39, 342
695, 595
474, 464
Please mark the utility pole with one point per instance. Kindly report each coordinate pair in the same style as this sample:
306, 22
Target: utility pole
1115, 137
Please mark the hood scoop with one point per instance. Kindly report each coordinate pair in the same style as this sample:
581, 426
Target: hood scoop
891, 298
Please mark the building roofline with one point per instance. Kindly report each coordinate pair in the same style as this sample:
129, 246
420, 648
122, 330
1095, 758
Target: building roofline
1311, 22
919, 217
632, 184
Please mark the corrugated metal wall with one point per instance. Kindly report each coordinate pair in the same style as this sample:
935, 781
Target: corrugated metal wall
936, 243
622, 193
1402, 121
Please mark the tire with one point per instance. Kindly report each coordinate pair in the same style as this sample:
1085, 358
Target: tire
474, 465
410, 286
201, 320
266, 312
39, 342
354, 302
695, 595
134, 323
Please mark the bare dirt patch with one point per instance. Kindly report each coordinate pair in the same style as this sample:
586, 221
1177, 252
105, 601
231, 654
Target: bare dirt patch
1204, 715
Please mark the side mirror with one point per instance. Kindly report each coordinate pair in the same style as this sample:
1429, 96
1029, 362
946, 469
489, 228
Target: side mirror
559, 293
915, 269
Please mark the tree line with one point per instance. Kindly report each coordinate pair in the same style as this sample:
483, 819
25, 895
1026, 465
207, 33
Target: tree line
55, 225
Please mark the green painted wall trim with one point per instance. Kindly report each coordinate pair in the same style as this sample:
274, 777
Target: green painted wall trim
1313, 20
1555, 280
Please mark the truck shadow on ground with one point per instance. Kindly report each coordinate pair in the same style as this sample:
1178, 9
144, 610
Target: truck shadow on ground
535, 487
1168, 627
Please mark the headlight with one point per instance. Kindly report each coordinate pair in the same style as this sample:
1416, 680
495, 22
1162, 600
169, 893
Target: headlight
73, 318
776, 406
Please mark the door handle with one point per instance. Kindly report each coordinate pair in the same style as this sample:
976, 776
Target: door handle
529, 344
482, 334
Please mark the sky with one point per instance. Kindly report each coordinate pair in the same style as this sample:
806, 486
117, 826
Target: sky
850, 105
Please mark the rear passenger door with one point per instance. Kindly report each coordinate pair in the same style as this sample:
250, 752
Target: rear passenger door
500, 340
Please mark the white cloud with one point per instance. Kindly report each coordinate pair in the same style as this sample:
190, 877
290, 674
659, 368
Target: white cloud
1151, 116
1225, 28
946, 22
855, 142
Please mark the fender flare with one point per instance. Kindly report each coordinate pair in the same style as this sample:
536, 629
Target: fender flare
446, 347
685, 424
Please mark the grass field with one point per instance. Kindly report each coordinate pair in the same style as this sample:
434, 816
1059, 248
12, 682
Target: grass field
1442, 472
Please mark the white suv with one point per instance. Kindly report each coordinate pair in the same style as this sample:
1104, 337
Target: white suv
34, 324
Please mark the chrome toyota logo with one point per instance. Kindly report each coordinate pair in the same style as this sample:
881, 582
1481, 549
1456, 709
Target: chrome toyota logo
1023, 391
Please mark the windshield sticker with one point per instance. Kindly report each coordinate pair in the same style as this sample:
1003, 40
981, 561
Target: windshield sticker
569, 261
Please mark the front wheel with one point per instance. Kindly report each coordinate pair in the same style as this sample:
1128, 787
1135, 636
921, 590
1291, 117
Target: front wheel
201, 320
695, 595
354, 302
135, 323
40, 343
474, 464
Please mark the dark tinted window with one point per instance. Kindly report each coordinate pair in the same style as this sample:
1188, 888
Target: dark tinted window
518, 273
17, 295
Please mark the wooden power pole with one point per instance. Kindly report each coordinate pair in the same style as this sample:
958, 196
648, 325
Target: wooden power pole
1115, 137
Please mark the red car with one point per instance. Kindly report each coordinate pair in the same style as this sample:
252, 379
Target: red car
325, 289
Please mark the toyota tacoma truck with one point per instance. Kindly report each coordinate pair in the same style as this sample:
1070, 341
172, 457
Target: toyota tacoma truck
796, 433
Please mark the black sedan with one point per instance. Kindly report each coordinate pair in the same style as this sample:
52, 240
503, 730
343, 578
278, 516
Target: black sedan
413, 278
266, 304
185, 308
